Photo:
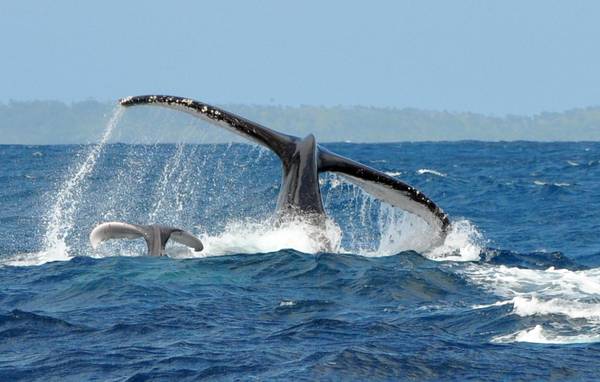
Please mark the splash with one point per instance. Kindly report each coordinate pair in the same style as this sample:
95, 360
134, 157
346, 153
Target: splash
463, 243
184, 185
398, 232
249, 236
255, 236
60, 219
373, 228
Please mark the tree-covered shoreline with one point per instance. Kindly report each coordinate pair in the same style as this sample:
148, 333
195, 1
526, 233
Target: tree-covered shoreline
54, 122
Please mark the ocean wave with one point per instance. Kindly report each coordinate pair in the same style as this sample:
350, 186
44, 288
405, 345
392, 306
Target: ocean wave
511, 281
400, 233
393, 173
533, 306
531, 260
29, 259
12, 324
549, 295
539, 335
557, 184
429, 171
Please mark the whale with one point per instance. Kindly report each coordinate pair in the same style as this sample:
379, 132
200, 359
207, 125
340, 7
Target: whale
155, 235
302, 160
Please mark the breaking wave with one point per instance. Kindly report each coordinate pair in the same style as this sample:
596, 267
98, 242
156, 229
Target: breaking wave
565, 302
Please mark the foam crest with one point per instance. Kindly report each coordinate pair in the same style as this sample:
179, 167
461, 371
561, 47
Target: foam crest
510, 281
567, 302
431, 172
532, 306
58, 253
539, 335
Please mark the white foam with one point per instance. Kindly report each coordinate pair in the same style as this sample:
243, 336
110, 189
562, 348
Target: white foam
393, 173
429, 171
399, 232
253, 236
532, 306
557, 184
36, 258
550, 296
511, 281
539, 335
463, 243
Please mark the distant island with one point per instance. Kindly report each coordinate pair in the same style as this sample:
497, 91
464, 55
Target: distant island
53, 122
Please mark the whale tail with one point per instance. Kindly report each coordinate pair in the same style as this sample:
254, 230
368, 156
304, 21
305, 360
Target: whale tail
303, 160
156, 236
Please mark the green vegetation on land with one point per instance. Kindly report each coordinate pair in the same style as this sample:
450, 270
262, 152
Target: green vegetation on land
52, 122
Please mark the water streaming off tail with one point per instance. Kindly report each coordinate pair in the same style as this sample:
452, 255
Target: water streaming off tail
223, 192
373, 228
196, 186
60, 220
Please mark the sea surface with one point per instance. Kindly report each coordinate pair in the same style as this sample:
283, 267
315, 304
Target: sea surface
512, 294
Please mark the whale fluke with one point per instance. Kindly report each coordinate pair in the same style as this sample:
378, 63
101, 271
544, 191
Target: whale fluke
156, 236
303, 159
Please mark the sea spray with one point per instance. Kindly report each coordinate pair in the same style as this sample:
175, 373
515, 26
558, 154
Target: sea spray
60, 218
182, 185
171, 174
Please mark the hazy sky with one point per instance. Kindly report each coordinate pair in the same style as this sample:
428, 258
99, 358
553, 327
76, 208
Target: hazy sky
482, 56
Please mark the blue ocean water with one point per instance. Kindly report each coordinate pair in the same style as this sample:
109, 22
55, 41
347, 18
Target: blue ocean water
513, 294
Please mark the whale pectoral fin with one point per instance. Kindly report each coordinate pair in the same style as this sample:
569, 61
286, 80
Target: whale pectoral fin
116, 230
282, 144
385, 188
187, 239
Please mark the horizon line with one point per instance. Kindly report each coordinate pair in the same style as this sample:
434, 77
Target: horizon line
332, 106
